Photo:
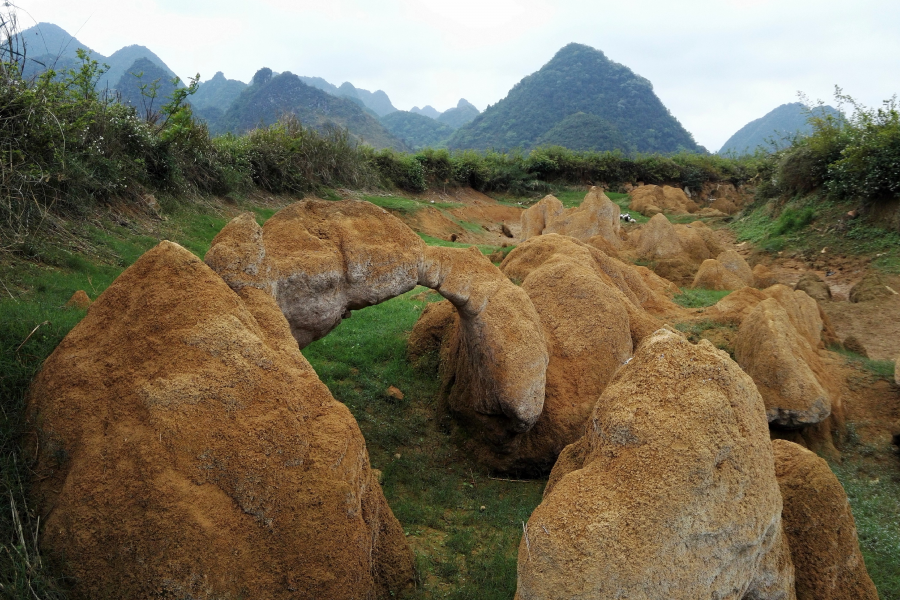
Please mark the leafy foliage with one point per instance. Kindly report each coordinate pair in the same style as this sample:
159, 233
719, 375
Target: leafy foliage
577, 79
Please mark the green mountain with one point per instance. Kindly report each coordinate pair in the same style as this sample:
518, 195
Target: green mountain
465, 112
269, 96
417, 131
582, 131
777, 126
218, 92
377, 102
578, 79
427, 111
121, 62
145, 74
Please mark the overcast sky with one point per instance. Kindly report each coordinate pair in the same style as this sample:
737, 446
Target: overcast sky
716, 64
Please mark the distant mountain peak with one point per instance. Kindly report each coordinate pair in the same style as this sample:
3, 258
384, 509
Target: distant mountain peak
427, 111
773, 129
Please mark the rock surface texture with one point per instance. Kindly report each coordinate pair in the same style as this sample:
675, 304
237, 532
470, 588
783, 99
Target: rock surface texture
186, 449
819, 528
597, 215
653, 199
814, 287
871, 287
536, 218
670, 494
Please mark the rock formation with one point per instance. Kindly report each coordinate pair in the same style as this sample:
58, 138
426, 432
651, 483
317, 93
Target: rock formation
763, 277
79, 300
871, 287
536, 218
319, 260
676, 251
814, 287
651, 199
819, 528
597, 215
185, 448
593, 309
778, 353
670, 494
712, 275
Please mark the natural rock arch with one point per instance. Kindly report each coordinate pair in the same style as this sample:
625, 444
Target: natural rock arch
320, 260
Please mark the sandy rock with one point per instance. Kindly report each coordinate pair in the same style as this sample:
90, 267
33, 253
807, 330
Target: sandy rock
854, 345
536, 218
670, 200
871, 287
819, 528
713, 275
197, 439
320, 260
601, 243
711, 213
693, 246
496, 256
671, 494
430, 330
597, 215
724, 205
813, 285
395, 392
735, 263
763, 277
784, 365
79, 300
659, 240
713, 242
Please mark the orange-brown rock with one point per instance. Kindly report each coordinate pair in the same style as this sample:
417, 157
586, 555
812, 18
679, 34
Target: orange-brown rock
713, 275
671, 493
658, 240
187, 449
319, 260
763, 277
430, 330
724, 205
870, 287
819, 528
735, 263
79, 300
536, 218
670, 200
784, 364
597, 215
814, 287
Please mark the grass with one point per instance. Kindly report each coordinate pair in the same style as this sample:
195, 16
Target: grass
407, 205
437, 493
487, 250
883, 369
874, 494
699, 298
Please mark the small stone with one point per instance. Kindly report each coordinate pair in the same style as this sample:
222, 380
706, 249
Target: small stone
483, 508
394, 392
397, 456
79, 299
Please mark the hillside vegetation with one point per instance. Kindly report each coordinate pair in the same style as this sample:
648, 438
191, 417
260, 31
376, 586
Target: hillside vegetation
578, 79
417, 131
775, 130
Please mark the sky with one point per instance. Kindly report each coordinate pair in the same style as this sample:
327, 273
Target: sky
716, 64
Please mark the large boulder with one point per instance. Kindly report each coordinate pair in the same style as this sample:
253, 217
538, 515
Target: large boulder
871, 287
735, 263
819, 528
658, 240
814, 287
596, 216
670, 494
536, 218
763, 277
784, 364
713, 275
185, 448
670, 200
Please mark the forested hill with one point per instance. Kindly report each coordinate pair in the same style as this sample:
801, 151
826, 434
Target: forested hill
775, 129
269, 96
579, 79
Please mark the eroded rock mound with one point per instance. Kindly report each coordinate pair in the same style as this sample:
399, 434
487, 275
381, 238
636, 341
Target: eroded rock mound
763, 277
596, 216
536, 218
814, 287
819, 528
871, 287
670, 494
79, 300
185, 448
676, 251
713, 275
778, 353
652, 199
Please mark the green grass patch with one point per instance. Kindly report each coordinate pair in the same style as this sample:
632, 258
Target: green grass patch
434, 490
874, 494
883, 369
407, 205
699, 298
484, 249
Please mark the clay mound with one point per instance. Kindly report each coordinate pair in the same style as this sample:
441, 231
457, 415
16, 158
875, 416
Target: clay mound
784, 365
196, 440
871, 287
430, 330
669, 200
671, 493
724, 205
711, 239
763, 277
592, 311
320, 260
596, 216
536, 218
79, 300
713, 275
819, 528
693, 246
658, 240
600, 243
735, 263
814, 287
